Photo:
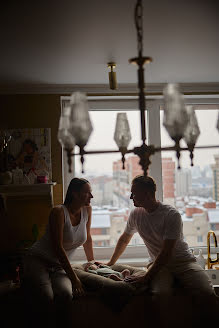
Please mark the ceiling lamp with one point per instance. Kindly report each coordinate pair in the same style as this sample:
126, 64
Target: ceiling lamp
179, 120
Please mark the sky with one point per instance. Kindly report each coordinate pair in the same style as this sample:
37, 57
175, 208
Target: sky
102, 139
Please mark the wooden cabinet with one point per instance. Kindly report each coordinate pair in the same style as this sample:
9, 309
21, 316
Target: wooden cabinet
24, 212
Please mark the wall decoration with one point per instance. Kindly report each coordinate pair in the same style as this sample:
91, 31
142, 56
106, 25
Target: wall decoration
30, 151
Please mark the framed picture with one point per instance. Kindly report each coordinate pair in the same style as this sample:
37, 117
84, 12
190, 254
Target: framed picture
30, 150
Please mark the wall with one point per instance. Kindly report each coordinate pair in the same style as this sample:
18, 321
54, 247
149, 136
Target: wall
34, 111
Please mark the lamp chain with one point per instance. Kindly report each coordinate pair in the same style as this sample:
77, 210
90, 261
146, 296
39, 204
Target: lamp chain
138, 24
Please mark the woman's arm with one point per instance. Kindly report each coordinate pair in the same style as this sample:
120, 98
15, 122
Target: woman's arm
56, 225
88, 245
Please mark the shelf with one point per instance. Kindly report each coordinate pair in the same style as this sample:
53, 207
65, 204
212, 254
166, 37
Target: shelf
28, 189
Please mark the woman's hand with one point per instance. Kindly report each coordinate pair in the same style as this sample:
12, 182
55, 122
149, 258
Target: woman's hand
149, 264
77, 288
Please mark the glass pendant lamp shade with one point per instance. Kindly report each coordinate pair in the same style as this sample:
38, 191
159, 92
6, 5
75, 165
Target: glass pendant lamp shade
192, 131
175, 115
64, 136
122, 135
80, 123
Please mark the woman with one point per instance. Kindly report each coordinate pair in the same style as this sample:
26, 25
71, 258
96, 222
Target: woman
48, 263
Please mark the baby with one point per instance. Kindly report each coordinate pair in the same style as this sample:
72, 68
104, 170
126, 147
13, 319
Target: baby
106, 271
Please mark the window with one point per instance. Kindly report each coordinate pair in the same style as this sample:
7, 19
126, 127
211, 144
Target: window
111, 188
192, 189
110, 183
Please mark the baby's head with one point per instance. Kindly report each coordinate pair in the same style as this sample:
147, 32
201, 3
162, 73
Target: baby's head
92, 266
89, 266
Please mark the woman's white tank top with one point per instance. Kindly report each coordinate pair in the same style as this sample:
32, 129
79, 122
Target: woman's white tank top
73, 237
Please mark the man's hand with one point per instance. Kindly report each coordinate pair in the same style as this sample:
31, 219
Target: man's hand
140, 278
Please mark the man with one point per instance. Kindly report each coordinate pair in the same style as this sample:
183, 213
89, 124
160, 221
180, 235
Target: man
161, 229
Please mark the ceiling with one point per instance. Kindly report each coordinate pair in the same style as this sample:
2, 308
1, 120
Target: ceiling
70, 42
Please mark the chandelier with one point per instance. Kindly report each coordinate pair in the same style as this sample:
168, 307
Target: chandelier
179, 120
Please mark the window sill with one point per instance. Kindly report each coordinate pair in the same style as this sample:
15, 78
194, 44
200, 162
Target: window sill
136, 262
131, 254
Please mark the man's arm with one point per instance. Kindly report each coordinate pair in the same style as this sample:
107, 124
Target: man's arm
120, 247
162, 259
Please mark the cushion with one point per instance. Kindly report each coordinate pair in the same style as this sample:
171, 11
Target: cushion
113, 293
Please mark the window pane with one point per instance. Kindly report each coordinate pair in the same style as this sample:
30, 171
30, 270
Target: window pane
110, 184
194, 190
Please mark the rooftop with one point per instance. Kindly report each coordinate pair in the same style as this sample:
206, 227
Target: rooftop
100, 220
213, 215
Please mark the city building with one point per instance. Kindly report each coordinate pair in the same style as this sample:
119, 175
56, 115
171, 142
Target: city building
122, 180
196, 172
201, 182
118, 219
213, 217
215, 170
195, 225
108, 224
168, 176
100, 227
183, 181
102, 190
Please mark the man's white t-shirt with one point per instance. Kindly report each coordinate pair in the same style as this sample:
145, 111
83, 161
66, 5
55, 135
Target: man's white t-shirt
164, 223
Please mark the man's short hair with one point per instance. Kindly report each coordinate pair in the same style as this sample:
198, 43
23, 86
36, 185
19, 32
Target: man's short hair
146, 183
